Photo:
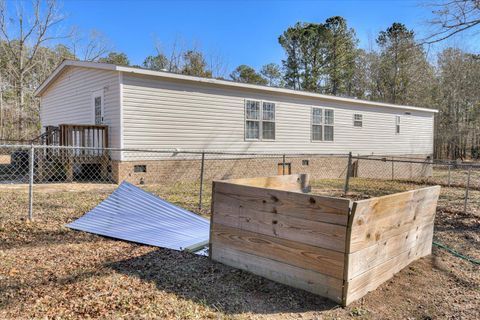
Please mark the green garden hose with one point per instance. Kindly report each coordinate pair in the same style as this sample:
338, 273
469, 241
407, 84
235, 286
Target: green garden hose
455, 253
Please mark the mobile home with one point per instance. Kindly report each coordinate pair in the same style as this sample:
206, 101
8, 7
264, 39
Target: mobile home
159, 110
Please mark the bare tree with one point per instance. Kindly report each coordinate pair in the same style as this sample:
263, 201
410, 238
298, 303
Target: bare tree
91, 47
452, 17
21, 38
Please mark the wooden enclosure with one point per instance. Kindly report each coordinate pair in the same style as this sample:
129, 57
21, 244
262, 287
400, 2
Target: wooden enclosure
333, 247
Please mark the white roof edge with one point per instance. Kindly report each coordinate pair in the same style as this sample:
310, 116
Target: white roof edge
66, 63
112, 67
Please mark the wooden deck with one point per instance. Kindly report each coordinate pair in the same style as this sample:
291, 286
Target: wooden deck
88, 144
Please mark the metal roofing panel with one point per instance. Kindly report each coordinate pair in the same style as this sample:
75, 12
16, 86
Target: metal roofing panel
133, 214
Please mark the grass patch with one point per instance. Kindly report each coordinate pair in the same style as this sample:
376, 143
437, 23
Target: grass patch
49, 271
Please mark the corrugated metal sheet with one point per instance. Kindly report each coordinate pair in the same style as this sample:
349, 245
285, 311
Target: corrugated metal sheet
133, 214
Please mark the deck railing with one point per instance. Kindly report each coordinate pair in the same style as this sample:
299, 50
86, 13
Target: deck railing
83, 135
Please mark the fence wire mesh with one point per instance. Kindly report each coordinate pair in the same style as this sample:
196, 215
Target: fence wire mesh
51, 183
185, 177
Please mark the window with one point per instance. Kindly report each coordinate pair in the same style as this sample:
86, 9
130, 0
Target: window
252, 118
358, 120
268, 123
305, 162
397, 124
140, 168
259, 121
98, 105
322, 124
317, 128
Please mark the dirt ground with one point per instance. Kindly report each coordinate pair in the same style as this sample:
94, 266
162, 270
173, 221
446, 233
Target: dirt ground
49, 271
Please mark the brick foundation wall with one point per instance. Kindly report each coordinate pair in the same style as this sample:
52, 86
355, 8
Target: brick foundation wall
219, 168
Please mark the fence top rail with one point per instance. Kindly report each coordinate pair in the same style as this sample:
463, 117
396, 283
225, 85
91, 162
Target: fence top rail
390, 158
179, 151
426, 161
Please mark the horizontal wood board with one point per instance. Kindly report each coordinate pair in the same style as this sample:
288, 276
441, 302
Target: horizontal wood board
295, 204
293, 182
284, 273
294, 253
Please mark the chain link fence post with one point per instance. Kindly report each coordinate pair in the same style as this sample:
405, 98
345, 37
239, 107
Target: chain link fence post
393, 168
283, 165
31, 164
202, 167
449, 173
467, 187
347, 176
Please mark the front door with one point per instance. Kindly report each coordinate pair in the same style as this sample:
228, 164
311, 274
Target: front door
98, 106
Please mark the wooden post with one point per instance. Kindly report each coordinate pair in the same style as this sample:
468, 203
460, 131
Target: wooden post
68, 167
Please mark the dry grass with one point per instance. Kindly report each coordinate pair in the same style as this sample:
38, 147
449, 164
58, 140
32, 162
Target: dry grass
49, 271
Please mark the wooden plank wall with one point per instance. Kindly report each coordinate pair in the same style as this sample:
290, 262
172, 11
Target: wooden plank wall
287, 236
385, 234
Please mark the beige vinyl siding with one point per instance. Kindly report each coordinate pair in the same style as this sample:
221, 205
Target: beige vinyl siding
69, 100
161, 113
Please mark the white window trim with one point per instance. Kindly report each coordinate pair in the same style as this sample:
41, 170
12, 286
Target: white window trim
260, 126
323, 124
361, 114
95, 94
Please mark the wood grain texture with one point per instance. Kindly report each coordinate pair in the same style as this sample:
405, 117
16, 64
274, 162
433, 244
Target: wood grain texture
297, 254
291, 182
381, 218
387, 233
317, 243
363, 260
296, 277
299, 205
371, 279
320, 234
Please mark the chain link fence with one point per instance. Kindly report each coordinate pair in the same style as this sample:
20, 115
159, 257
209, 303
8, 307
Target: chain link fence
375, 175
185, 177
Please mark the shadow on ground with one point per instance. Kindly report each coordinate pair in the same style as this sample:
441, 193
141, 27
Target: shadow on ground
217, 286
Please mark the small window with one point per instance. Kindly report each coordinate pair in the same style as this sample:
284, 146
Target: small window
358, 120
259, 120
397, 124
322, 124
305, 162
140, 168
